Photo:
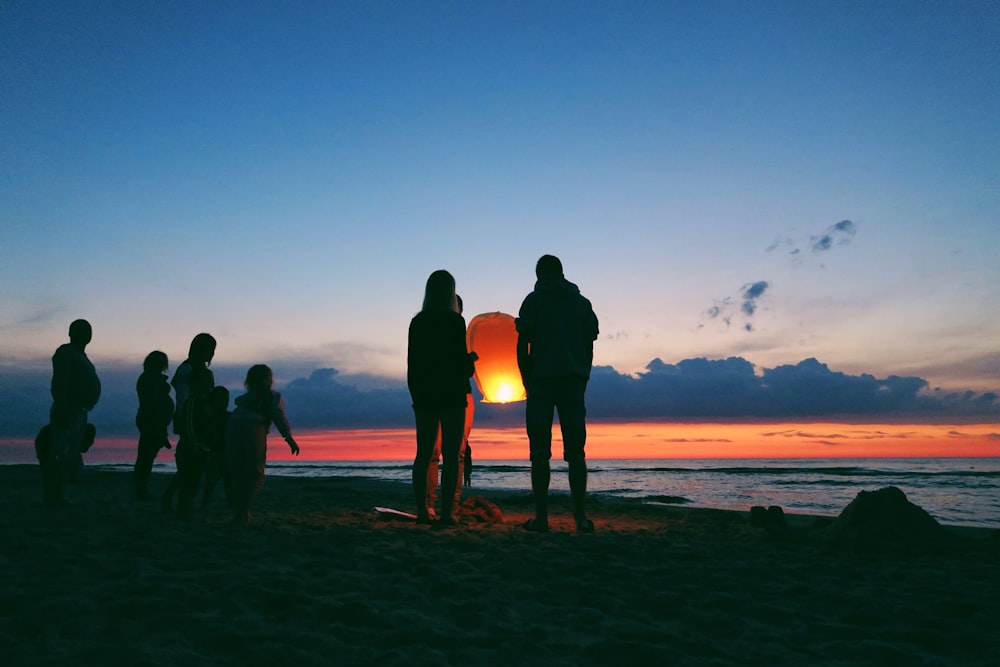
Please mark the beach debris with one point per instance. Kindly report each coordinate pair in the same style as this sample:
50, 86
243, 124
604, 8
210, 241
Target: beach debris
772, 517
885, 518
667, 500
482, 510
394, 514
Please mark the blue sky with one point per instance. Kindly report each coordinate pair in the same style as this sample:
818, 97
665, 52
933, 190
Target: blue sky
772, 181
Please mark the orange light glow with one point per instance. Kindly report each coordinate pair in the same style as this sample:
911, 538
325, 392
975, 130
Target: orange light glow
642, 440
770, 440
493, 336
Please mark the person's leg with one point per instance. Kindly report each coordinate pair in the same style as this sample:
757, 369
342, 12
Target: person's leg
213, 473
452, 431
65, 444
149, 445
433, 469
259, 463
427, 423
470, 410
239, 469
538, 419
187, 477
573, 424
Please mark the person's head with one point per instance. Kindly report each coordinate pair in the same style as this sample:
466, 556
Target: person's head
80, 332
548, 266
458, 302
220, 398
259, 377
202, 348
155, 362
439, 294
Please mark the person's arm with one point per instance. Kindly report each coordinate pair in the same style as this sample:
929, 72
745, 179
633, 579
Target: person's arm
470, 358
524, 358
62, 372
524, 325
281, 422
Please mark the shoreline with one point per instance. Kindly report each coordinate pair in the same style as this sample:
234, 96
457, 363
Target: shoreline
318, 576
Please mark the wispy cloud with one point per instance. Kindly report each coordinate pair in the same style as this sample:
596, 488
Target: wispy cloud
839, 234
725, 309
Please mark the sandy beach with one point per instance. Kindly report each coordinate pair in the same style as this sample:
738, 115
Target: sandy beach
320, 578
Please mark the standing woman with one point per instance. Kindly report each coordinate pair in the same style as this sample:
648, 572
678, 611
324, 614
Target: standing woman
200, 354
246, 438
438, 366
156, 410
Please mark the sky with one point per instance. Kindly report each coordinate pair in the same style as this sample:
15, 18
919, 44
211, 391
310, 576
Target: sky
767, 183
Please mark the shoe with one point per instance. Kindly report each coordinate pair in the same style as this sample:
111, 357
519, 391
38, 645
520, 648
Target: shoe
536, 526
584, 525
447, 522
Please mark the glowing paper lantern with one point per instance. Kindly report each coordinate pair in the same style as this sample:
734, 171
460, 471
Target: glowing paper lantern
493, 337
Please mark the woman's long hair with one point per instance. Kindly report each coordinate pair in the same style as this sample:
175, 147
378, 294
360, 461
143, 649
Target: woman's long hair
439, 294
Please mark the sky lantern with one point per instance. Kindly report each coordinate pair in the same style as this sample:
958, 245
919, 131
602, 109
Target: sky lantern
493, 337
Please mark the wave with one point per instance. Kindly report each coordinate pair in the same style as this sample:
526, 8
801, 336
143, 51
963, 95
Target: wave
845, 471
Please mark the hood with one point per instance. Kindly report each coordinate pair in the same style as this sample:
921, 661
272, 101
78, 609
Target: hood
556, 287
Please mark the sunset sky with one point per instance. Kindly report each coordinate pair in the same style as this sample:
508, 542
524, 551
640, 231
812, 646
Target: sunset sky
771, 181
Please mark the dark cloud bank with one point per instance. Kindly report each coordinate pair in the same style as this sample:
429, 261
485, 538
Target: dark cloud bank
690, 389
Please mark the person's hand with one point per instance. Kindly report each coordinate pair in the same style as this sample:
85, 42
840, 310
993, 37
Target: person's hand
293, 446
474, 357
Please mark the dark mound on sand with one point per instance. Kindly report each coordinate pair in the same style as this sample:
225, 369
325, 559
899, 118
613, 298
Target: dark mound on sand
886, 519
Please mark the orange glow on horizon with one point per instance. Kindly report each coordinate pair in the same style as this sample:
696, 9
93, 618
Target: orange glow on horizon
690, 441
636, 441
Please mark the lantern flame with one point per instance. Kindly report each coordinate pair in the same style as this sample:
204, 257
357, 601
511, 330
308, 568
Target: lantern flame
493, 337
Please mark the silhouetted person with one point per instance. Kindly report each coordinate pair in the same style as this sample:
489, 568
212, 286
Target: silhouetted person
75, 391
556, 329
433, 468
215, 466
43, 447
200, 354
156, 411
246, 438
198, 432
467, 465
438, 368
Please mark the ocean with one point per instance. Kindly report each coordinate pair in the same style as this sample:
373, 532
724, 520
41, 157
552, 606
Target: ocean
950, 470
955, 491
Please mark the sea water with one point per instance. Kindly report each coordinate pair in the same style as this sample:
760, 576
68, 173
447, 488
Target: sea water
955, 491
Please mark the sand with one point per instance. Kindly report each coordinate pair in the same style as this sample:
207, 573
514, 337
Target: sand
319, 578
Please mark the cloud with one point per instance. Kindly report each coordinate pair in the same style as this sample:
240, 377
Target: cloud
751, 293
838, 234
725, 309
691, 388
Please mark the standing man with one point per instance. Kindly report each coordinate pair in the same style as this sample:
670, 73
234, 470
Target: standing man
75, 391
556, 330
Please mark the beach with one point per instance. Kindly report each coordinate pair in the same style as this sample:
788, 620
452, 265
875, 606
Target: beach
319, 577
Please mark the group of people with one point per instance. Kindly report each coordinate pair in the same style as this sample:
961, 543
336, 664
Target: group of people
214, 444
556, 330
